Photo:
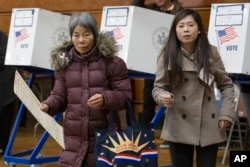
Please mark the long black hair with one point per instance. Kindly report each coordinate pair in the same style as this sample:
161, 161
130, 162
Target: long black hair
171, 49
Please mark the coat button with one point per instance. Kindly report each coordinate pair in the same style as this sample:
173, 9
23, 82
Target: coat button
184, 98
213, 115
185, 79
184, 116
209, 98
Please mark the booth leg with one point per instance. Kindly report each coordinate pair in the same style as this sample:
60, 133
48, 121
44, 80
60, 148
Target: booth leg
17, 121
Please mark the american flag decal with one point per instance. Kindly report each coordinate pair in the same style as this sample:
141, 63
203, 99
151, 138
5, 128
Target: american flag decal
21, 35
227, 34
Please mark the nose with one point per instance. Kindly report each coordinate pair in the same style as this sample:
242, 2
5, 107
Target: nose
81, 39
185, 28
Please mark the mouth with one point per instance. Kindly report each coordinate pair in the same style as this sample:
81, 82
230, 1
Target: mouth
186, 36
82, 47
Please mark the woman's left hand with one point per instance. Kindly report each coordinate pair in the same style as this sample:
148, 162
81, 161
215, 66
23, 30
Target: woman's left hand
224, 124
96, 101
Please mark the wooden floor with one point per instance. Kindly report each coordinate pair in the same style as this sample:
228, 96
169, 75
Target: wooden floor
25, 140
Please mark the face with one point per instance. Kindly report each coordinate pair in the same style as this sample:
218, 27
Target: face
162, 3
83, 39
187, 31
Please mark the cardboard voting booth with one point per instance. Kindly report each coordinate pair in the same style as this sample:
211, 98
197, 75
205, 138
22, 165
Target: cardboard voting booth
229, 30
140, 34
33, 32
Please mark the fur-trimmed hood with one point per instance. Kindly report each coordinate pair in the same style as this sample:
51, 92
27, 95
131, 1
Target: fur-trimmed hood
59, 55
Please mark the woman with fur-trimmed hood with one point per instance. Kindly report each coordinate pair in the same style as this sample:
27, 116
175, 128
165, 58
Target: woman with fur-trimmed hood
90, 80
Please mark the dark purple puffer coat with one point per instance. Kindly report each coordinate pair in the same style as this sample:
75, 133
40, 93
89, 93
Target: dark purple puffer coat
77, 78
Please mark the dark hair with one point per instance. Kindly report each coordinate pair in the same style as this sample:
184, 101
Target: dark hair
3, 46
177, 7
83, 19
170, 51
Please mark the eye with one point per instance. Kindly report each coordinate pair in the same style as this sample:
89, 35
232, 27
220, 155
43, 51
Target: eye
87, 34
75, 35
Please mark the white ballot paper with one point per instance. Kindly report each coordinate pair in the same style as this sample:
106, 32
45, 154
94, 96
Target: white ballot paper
25, 94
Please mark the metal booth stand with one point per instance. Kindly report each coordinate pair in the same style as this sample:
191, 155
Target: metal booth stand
30, 156
244, 82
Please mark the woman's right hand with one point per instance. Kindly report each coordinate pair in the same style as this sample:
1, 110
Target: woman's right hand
44, 107
167, 99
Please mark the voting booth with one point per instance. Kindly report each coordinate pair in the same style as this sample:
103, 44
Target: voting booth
229, 30
33, 33
140, 34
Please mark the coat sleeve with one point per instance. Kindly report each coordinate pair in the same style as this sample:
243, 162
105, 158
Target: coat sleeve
58, 97
226, 87
120, 86
161, 84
